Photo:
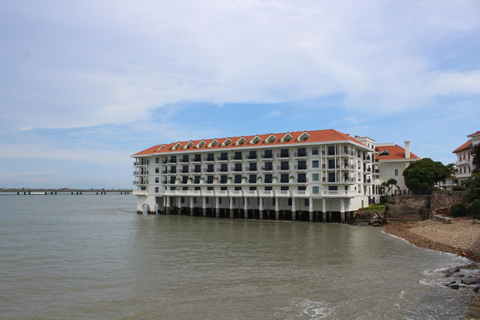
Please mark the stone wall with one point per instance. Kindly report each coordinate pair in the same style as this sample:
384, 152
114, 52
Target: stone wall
443, 200
408, 208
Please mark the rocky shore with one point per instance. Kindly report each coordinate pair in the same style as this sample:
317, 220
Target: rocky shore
461, 237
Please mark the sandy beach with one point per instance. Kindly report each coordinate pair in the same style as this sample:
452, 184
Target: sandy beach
461, 237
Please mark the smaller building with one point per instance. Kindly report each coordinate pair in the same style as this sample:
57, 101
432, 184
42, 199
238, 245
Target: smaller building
465, 156
393, 160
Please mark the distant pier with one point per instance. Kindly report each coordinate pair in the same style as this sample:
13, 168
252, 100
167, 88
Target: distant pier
64, 191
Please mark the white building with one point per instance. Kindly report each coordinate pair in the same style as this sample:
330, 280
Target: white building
321, 175
393, 160
465, 156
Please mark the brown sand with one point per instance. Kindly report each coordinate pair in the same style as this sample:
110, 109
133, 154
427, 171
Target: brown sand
462, 237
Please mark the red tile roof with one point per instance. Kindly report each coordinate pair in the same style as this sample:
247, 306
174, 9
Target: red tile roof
314, 136
394, 153
473, 134
467, 145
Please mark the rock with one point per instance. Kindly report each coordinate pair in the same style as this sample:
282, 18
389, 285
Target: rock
476, 289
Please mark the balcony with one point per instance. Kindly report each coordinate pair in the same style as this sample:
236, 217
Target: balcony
197, 159
251, 158
300, 154
267, 156
222, 158
283, 155
267, 168
250, 193
209, 159
337, 194
265, 193
301, 168
282, 193
300, 193
283, 168
236, 158
236, 169
223, 169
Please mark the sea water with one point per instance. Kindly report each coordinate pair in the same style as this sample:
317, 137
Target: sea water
92, 257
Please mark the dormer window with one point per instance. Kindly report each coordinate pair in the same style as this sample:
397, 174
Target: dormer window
200, 144
255, 140
240, 141
270, 139
176, 146
213, 143
303, 137
384, 153
286, 138
161, 147
188, 145
226, 142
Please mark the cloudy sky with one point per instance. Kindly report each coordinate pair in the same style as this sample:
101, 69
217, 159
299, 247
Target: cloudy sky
85, 84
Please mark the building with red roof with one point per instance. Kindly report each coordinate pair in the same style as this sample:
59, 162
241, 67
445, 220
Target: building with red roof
393, 160
318, 175
465, 156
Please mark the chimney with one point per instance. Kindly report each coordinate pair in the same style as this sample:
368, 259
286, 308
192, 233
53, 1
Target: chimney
407, 149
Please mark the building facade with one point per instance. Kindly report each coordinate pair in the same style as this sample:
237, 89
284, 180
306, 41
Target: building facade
393, 160
321, 175
465, 156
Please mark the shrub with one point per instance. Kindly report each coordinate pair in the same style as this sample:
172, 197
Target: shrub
474, 207
458, 210
459, 188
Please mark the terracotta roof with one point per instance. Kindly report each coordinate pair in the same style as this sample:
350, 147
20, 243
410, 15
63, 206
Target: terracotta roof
467, 145
313, 136
394, 153
473, 134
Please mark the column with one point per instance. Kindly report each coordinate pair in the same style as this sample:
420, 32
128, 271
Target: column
260, 208
245, 207
324, 213
342, 210
277, 212
217, 207
231, 208
204, 206
294, 213
191, 206
310, 209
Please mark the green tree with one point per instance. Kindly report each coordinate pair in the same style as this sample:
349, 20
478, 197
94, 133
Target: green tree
473, 186
422, 175
476, 158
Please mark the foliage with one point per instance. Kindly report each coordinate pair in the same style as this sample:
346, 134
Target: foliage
476, 158
375, 208
473, 187
451, 168
458, 210
474, 207
459, 188
423, 174
386, 186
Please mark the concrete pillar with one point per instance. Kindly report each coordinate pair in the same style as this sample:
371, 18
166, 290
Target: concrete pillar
277, 211
168, 205
245, 208
231, 208
310, 209
342, 210
324, 212
204, 206
191, 206
217, 207
294, 213
260, 209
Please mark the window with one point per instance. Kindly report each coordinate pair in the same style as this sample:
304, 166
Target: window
252, 155
315, 164
210, 157
268, 154
284, 153
156, 189
268, 178
315, 151
238, 178
268, 166
302, 177
284, 188
157, 160
238, 155
173, 158
315, 190
333, 188
185, 158
238, 167
223, 156
185, 169
284, 178
284, 165
209, 179
302, 165
157, 170
198, 158
331, 164
223, 179
223, 167
173, 169
157, 179
184, 179
196, 179
331, 150
396, 172
253, 166
331, 177
210, 168
198, 168
307, 202
302, 152
252, 178
315, 177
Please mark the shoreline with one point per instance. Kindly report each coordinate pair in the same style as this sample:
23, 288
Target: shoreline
461, 238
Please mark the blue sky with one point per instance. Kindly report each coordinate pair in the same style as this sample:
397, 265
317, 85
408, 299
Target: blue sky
85, 84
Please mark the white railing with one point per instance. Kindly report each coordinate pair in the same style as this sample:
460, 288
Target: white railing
250, 193
221, 193
266, 193
208, 193
337, 193
300, 193
282, 193
194, 192
235, 193
140, 192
